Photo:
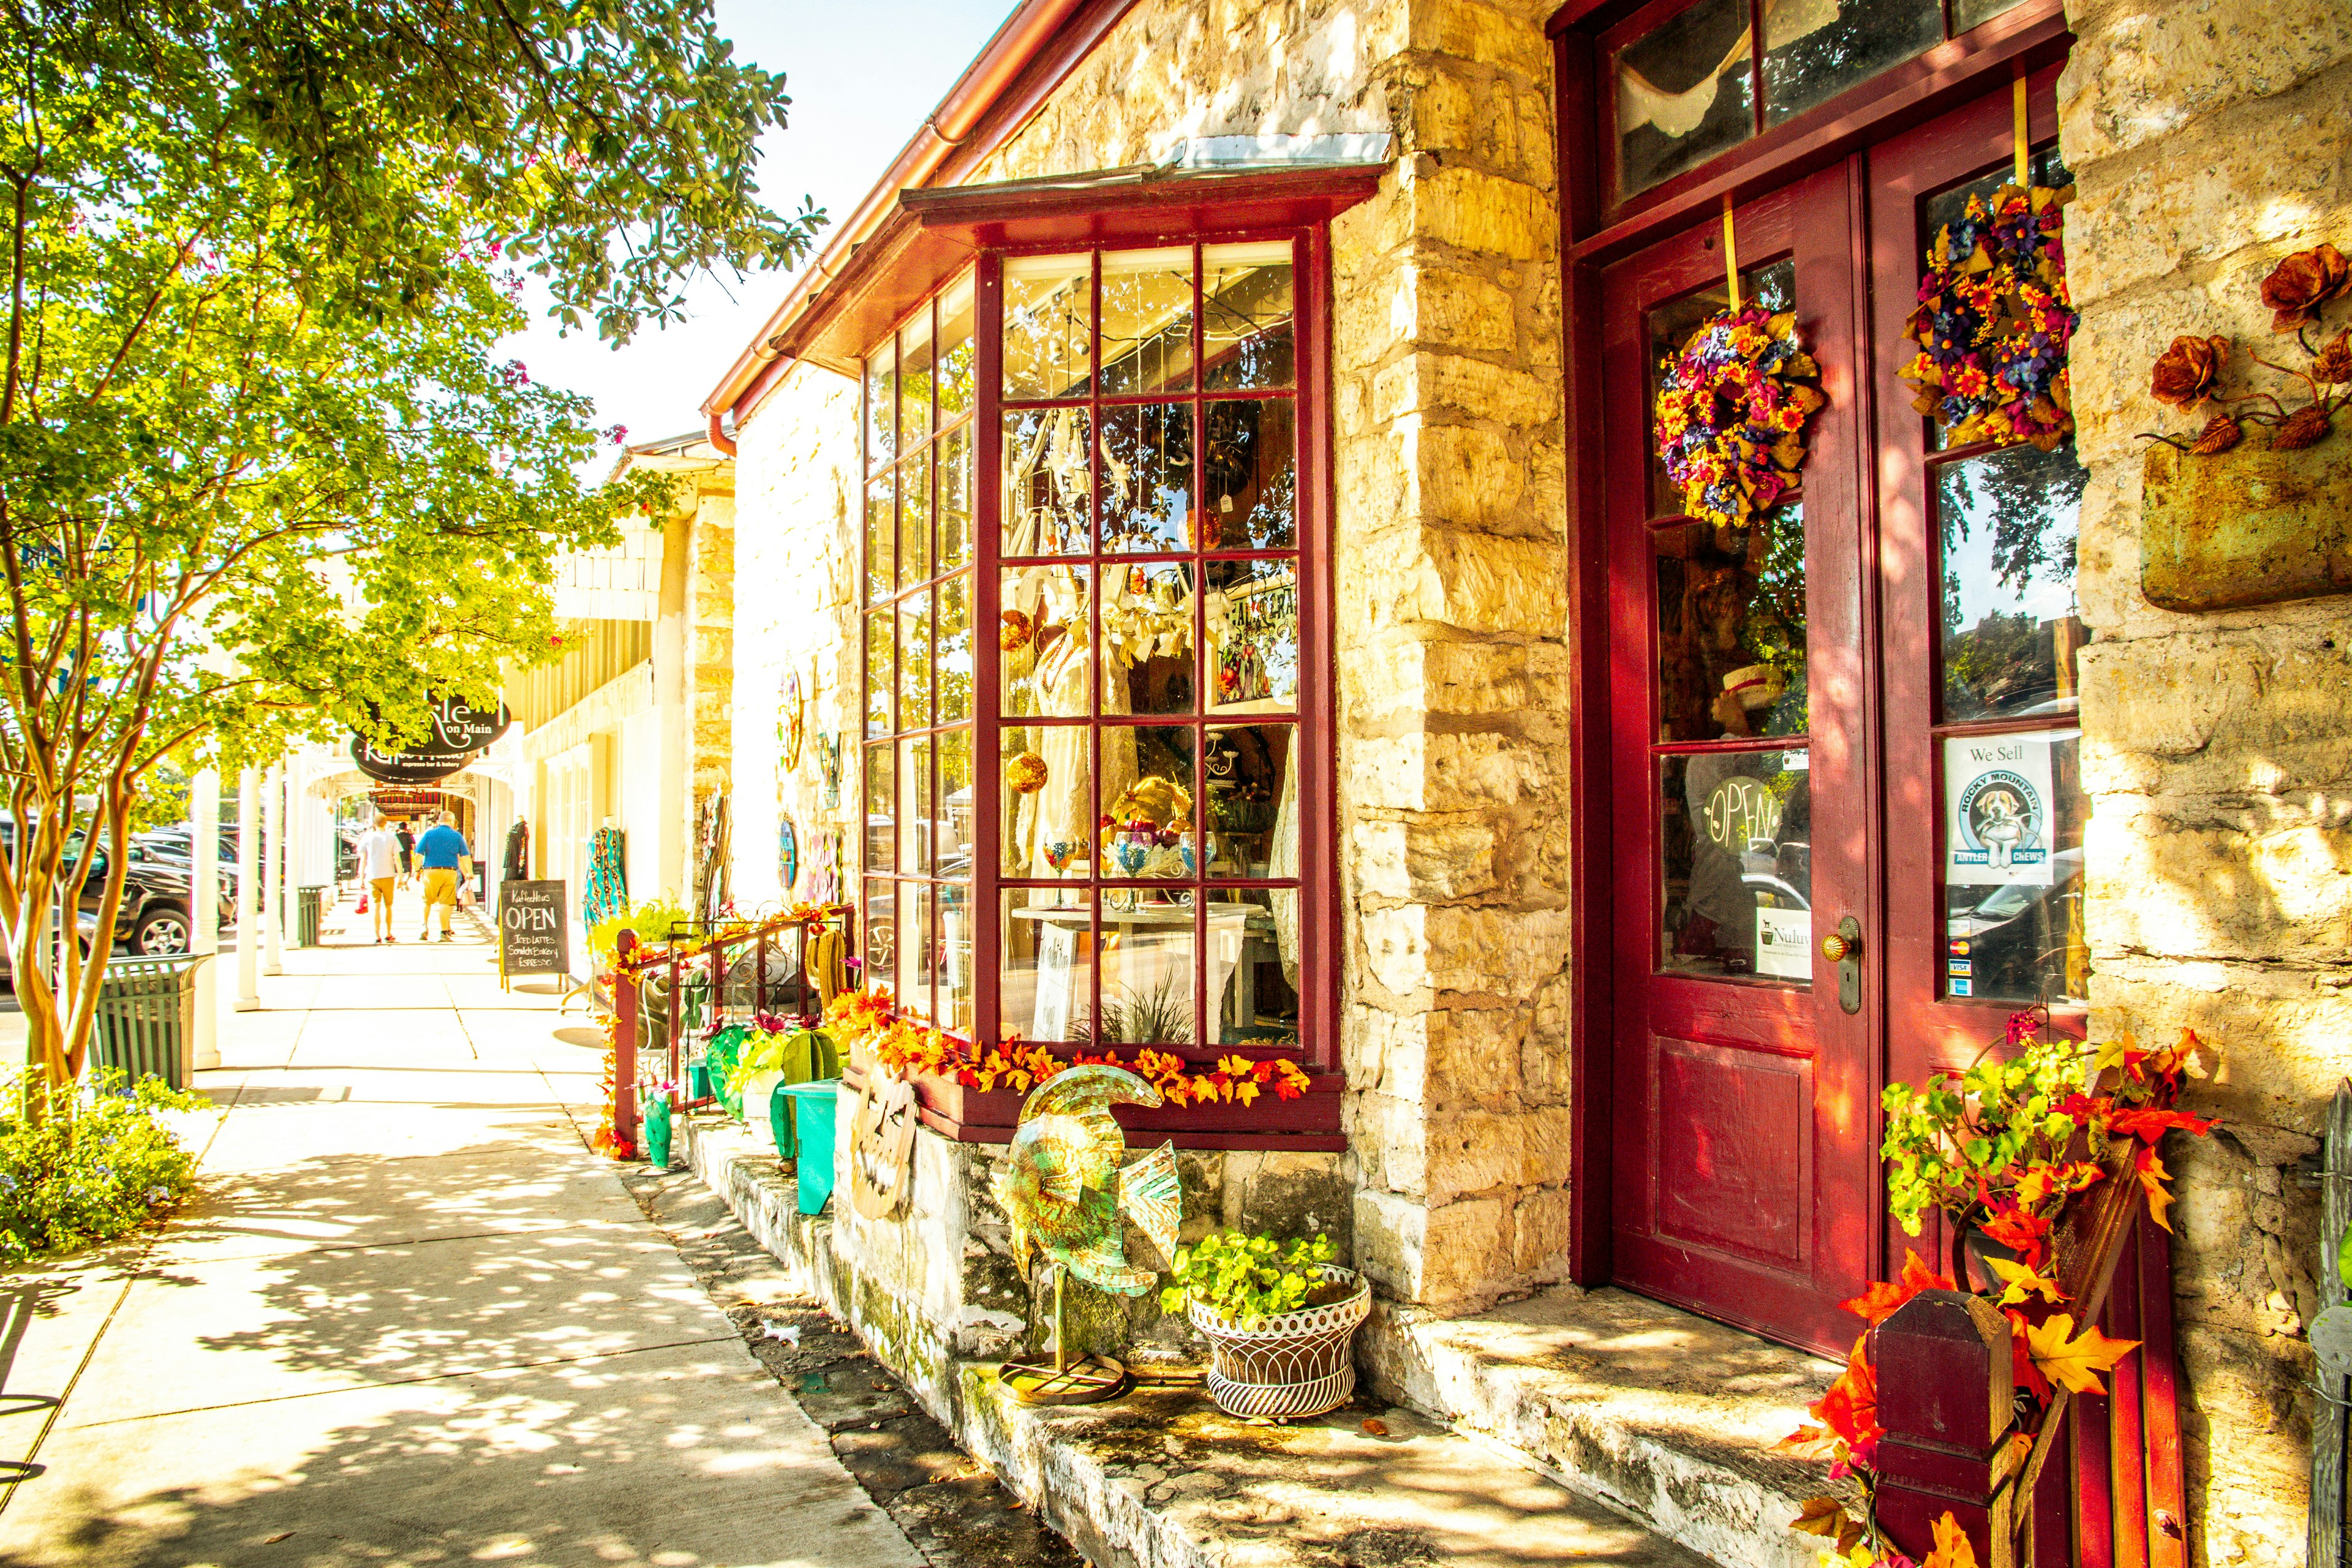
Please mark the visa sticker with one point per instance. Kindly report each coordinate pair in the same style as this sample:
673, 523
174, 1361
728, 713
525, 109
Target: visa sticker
1959, 966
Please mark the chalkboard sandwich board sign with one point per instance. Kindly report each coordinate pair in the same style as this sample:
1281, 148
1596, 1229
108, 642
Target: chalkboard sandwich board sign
534, 937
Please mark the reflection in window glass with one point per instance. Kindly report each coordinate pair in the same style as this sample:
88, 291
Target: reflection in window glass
1736, 834
1252, 808
1147, 476
1968, 14
958, 478
1252, 631
915, 662
881, 819
1045, 484
954, 940
913, 990
1731, 627
917, 365
1047, 815
952, 754
1254, 965
1049, 314
2008, 521
1147, 321
1147, 976
1044, 637
1047, 982
1815, 50
1251, 468
1147, 636
2013, 816
1246, 335
881, 925
1772, 285
1683, 93
915, 517
953, 683
956, 360
881, 678
918, 828
881, 534
881, 408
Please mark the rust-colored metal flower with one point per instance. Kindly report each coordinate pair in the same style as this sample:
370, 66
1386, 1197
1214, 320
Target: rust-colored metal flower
2184, 373
2221, 434
2298, 286
2299, 429
1013, 635
2333, 364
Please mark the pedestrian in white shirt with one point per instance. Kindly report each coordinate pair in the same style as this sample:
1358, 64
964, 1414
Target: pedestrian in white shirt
379, 852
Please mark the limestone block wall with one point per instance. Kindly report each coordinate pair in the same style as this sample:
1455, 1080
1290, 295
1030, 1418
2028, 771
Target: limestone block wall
1450, 575
796, 564
2209, 137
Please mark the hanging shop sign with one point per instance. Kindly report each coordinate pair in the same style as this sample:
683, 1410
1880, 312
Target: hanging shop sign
403, 767
460, 727
1997, 791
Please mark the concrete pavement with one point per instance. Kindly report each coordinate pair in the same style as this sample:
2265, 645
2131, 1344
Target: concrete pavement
411, 1320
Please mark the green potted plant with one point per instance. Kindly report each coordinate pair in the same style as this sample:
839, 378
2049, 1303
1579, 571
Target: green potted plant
1278, 1317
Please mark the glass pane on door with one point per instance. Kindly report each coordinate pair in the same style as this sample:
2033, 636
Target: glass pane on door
2010, 625
1735, 842
1731, 628
2013, 816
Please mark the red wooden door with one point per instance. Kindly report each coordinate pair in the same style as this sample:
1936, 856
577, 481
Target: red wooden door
1742, 789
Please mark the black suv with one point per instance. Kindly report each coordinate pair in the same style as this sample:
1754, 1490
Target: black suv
154, 919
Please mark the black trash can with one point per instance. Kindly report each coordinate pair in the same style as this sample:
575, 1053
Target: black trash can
308, 904
146, 1022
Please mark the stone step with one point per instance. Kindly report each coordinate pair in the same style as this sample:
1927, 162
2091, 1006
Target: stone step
1664, 1415
1160, 1478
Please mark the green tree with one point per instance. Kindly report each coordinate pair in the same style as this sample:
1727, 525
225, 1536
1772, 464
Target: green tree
262, 477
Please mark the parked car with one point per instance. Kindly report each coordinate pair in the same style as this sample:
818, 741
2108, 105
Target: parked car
154, 918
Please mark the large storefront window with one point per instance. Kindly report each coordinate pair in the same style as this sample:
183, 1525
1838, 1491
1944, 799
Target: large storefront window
921, 465
1145, 779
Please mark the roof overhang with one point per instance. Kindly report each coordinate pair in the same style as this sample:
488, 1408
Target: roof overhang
930, 235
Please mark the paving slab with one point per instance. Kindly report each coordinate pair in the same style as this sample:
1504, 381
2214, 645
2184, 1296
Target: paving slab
409, 1320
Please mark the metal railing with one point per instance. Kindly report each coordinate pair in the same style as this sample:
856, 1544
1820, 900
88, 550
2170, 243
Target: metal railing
690, 989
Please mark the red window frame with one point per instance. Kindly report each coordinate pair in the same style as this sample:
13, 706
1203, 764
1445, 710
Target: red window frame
1311, 1121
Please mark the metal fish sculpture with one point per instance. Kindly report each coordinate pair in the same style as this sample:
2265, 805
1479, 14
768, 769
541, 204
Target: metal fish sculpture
1065, 1185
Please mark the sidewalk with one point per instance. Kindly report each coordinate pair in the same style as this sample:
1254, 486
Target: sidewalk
410, 1321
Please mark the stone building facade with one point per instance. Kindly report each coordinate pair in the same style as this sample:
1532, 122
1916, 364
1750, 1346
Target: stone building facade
2205, 143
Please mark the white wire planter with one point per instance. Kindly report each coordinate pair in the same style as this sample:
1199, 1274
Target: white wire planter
1291, 1365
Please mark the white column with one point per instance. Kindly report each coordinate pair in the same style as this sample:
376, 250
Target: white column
203, 910
249, 887
273, 867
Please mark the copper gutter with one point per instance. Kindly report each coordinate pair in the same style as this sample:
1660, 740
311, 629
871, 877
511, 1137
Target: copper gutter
1015, 46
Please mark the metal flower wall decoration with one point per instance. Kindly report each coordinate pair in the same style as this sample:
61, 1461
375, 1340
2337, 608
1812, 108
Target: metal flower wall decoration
1731, 412
1994, 321
2188, 375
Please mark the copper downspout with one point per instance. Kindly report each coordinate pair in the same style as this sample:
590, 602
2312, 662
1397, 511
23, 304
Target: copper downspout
1005, 57
720, 439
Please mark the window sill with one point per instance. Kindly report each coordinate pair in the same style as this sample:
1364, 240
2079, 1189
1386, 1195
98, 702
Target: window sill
1309, 1123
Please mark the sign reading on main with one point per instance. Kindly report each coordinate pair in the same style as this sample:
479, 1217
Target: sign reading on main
534, 937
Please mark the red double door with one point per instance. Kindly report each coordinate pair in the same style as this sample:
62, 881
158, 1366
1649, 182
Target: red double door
1811, 717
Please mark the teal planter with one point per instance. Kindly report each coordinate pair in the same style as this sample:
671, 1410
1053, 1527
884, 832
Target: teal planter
812, 1116
658, 1131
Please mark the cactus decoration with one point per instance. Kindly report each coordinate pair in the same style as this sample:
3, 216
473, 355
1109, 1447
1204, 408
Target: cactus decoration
1068, 1189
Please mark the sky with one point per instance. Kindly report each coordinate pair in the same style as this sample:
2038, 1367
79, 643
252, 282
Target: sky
861, 78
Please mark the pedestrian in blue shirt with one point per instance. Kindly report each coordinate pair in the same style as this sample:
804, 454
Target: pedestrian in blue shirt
441, 852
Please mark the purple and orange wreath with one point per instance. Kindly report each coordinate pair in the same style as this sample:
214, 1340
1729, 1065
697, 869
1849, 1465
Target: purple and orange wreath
1732, 406
1993, 322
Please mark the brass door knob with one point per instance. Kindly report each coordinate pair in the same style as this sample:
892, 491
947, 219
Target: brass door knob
1837, 947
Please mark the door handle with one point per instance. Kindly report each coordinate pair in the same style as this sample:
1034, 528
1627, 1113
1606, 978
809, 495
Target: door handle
1843, 948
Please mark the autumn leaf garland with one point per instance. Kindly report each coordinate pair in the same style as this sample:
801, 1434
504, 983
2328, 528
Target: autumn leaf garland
909, 1045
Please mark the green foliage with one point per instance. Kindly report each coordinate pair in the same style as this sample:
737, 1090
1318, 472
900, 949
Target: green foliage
80, 1166
1246, 1278
651, 920
1981, 1127
264, 476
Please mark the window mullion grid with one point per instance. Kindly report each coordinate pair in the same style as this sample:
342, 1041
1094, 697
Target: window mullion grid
987, 746
1201, 523
1096, 680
